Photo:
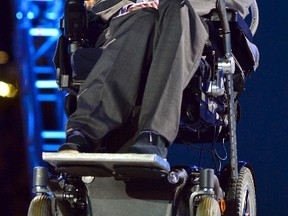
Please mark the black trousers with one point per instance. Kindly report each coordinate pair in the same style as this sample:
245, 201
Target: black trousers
148, 59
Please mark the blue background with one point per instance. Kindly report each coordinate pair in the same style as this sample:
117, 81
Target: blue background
263, 130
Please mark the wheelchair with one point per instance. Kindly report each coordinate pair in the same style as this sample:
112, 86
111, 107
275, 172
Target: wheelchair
141, 184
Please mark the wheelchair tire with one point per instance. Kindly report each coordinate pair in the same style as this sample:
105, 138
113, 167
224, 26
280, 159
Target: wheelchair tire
241, 197
40, 205
208, 207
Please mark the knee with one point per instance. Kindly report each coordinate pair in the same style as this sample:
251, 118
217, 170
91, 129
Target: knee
144, 18
140, 20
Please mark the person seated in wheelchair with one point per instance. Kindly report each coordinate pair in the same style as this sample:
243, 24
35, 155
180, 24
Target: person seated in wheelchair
137, 72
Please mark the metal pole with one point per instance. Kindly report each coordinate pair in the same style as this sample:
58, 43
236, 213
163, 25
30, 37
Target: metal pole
229, 68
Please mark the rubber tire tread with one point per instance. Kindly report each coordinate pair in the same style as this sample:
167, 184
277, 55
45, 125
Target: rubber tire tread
236, 192
40, 205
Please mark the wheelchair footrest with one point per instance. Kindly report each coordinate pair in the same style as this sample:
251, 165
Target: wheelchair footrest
106, 164
97, 171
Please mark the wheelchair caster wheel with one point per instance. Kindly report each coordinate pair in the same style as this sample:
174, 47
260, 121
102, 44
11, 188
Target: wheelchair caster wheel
40, 205
208, 207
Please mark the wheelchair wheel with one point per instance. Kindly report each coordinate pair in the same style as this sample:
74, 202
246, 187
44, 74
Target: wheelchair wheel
40, 205
208, 207
241, 196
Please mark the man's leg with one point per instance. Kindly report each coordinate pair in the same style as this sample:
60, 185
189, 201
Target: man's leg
179, 44
111, 89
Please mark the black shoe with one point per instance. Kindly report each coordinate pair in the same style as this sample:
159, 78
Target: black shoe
150, 142
77, 141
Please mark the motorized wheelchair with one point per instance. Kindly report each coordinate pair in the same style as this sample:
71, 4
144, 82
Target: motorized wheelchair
142, 184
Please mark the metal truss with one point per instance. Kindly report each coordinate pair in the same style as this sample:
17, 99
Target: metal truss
42, 103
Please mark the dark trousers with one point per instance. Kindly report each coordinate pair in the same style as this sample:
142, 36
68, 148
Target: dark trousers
148, 59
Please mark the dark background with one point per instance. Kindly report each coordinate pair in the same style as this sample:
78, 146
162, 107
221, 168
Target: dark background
262, 131
14, 186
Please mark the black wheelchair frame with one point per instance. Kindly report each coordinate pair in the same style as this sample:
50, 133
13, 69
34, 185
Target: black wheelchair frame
76, 184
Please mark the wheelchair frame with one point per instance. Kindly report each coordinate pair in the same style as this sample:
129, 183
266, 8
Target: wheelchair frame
63, 191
